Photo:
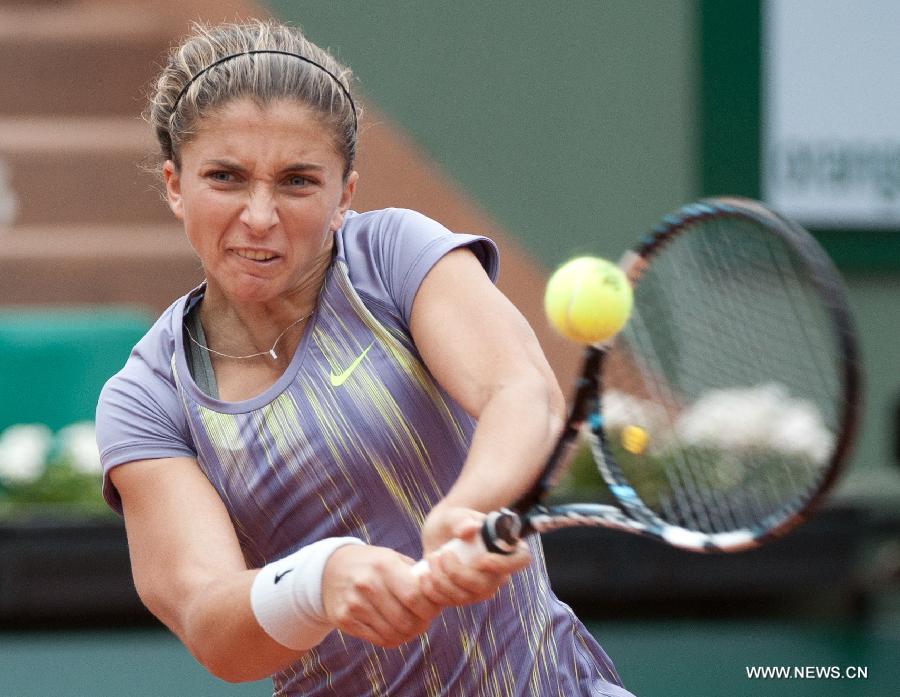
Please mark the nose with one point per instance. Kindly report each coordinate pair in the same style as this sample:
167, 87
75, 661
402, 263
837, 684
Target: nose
260, 212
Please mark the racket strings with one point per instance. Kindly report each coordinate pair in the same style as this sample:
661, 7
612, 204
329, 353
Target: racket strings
681, 480
695, 500
724, 318
800, 475
691, 496
811, 328
708, 267
803, 316
760, 281
810, 318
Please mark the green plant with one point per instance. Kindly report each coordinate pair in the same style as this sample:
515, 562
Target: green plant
50, 474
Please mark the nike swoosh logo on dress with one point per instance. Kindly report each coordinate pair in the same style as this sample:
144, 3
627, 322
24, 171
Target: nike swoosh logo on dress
340, 379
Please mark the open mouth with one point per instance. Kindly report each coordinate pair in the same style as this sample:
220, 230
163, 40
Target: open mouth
257, 255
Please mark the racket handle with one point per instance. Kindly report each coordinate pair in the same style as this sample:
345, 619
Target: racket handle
499, 535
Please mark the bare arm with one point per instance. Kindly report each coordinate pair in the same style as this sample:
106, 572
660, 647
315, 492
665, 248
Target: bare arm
482, 351
190, 573
189, 570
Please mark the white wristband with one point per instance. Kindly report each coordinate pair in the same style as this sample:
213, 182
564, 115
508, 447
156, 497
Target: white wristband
286, 596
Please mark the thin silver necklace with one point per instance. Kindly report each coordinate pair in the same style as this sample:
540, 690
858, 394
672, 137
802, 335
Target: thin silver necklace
270, 352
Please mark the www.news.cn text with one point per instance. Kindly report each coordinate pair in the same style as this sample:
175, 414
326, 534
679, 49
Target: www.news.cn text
807, 672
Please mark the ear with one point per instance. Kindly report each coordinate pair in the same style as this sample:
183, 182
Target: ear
346, 199
172, 179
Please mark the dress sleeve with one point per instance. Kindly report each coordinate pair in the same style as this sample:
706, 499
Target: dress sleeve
390, 252
139, 417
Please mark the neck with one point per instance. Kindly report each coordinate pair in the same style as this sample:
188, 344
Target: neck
241, 327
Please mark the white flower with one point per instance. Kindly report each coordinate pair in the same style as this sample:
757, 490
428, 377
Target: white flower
23, 453
757, 418
801, 432
78, 442
621, 409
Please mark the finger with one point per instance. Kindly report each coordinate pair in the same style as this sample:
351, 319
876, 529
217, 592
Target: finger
371, 600
444, 523
358, 616
406, 606
361, 630
379, 637
407, 590
385, 628
467, 528
392, 617
418, 603
467, 582
460, 583
433, 592
505, 564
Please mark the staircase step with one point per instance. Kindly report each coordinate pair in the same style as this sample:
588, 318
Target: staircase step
78, 58
146, 266
78, 19
81, 170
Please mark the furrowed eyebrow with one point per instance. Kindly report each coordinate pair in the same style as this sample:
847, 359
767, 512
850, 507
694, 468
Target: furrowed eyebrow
293, 167
303, 167
224, 164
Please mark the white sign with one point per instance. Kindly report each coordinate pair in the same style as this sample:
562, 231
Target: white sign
831, 112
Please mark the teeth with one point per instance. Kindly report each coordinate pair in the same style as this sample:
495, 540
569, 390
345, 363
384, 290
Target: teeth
254, 255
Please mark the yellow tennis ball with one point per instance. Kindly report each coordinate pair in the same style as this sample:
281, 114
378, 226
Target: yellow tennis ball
634, 439
588, 300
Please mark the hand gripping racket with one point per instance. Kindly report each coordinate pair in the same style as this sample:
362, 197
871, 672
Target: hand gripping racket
722, 412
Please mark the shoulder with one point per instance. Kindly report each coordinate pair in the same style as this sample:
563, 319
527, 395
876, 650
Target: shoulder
140, 403
151, 358
375, 234
381, 232
389, 251
383, 220
139, 413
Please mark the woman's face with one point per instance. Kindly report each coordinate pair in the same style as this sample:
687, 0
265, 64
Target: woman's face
260, 191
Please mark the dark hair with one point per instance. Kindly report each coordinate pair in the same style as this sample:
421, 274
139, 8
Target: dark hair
196, 81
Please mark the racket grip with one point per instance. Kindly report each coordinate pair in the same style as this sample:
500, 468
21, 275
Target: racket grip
499, 535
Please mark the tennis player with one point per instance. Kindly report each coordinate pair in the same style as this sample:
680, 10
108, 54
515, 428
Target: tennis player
344, 393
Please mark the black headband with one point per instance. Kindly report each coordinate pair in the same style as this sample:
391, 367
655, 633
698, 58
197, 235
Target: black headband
282, 53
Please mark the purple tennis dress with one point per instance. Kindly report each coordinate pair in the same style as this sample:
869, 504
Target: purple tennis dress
356, 438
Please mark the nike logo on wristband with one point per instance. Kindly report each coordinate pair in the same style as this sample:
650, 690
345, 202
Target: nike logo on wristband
280, 576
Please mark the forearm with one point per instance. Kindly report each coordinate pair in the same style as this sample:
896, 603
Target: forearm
218, 627
279, 611
189, 569
516, 431
483, 353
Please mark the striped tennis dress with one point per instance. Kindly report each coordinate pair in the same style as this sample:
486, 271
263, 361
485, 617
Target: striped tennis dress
355, 439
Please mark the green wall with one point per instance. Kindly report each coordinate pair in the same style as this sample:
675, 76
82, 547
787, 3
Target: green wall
76, 347
874, 471
651, 658
571, 123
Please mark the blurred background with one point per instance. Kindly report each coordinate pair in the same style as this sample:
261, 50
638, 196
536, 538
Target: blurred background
556, 128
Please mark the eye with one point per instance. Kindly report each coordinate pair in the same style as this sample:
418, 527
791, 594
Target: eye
296, 180
221, 176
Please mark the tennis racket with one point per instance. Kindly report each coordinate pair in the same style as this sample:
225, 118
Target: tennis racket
722, 412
